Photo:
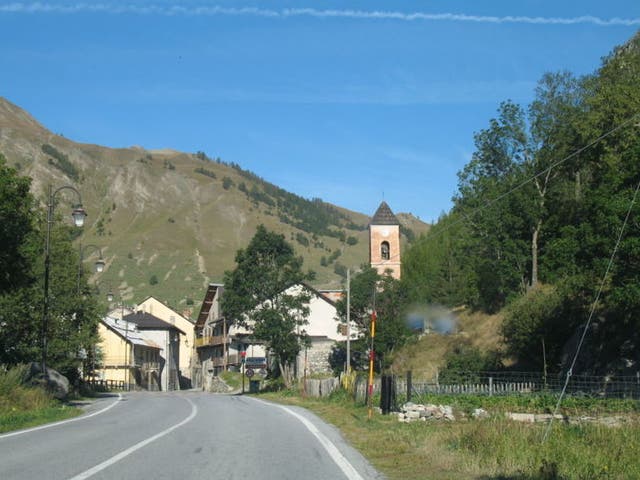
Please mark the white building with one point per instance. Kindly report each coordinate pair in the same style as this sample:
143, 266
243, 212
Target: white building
167, 337
219, 341
158, 309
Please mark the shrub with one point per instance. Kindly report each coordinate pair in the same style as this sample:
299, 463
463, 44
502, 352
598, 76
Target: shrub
464, 363
61, 161
227, 183
302, 239
205, 172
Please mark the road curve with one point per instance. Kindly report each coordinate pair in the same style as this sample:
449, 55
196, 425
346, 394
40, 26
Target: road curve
185, 435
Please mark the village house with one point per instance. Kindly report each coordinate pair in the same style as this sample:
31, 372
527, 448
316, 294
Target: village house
167, 337
186, 360
219, 343
127, 357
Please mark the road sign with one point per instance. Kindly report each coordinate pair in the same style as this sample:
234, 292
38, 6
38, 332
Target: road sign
256, 362
249, 373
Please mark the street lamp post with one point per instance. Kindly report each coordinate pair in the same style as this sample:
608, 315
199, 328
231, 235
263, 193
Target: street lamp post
78, 215
348, 321
99, 264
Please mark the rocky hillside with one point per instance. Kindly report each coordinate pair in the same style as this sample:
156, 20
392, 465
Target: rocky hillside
170, 222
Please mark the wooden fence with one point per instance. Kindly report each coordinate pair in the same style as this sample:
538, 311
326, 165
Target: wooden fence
316, 387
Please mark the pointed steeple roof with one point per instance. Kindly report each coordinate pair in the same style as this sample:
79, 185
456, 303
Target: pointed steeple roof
384, 216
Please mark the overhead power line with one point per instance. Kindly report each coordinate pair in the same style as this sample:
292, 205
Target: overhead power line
492, 202
592, 312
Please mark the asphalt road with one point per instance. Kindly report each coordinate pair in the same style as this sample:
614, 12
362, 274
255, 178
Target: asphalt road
183, 435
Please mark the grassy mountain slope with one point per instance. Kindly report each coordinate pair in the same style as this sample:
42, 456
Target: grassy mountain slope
426, 356
177, 218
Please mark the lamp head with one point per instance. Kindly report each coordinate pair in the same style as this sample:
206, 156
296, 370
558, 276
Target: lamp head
99, 265
78, 215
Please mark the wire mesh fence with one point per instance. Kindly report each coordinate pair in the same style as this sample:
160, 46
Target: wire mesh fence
508, 383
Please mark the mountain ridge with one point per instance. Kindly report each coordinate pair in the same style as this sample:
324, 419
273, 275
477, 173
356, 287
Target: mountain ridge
170, 222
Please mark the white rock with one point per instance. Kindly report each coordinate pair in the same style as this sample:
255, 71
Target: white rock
480, 413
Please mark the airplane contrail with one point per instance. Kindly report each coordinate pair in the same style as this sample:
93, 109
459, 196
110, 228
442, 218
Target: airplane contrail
181, 10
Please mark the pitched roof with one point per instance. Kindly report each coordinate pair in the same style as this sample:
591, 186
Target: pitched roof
384, 216
207, 303
146, 321
151, 297
129, 332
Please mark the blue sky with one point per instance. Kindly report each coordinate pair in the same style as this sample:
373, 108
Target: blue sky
349, 101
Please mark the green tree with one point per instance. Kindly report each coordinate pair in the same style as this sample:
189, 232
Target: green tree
437, 268
604, 179
264, 293
384, 294
505, 189
16, 224
73, 314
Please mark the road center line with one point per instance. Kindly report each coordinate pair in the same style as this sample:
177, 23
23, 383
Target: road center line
349, 470
62, 422
125, 453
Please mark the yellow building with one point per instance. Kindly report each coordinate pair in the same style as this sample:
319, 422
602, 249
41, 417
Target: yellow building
126, 356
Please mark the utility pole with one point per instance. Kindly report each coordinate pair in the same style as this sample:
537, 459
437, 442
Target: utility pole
372, 356
126, 344
348, 321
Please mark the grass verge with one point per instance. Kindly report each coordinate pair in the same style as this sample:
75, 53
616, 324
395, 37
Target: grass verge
22, 406
489, 449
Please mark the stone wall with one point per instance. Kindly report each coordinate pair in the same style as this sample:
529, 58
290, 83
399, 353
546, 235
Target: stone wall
317, 357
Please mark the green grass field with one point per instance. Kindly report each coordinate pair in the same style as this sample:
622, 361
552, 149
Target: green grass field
22, 406
491, 448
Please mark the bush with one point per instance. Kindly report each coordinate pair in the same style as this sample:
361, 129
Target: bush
61, 161
465, 361
205, 172
545, 313
12, 378
340, 269
227, 183
153, 280
302, 239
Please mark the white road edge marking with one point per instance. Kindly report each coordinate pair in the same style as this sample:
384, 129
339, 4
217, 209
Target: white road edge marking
335, 454
125, 453
62, 422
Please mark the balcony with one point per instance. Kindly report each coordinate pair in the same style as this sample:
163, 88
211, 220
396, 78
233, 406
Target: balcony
150, 366
220, 361
210, 341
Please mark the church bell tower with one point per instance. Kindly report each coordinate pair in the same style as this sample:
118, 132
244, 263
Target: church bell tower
384, 241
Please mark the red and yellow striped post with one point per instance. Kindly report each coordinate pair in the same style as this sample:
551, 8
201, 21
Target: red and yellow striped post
372, 356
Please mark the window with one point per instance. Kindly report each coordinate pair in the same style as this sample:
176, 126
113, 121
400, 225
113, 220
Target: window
384, 251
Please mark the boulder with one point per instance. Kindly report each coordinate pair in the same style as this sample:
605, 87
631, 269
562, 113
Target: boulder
54, 382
